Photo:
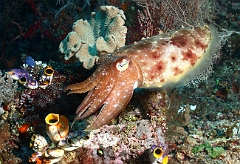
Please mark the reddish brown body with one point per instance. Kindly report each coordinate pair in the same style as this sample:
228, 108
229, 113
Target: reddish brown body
158, 61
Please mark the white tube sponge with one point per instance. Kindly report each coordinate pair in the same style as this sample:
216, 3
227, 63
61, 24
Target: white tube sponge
104, 33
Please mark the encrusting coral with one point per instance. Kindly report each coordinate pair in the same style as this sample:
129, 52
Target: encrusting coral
103, 34
108, 144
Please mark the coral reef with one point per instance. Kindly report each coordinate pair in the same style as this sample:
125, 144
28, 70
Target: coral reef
214, 129
49, 96
32, 76
103, 34
7, 89
43, 85
120, 143
7, 145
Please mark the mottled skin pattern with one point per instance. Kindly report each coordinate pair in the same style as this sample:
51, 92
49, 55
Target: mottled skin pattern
165, 58
104, 86
152, 62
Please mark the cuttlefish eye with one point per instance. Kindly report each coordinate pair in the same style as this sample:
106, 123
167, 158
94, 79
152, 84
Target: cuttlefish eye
122, 65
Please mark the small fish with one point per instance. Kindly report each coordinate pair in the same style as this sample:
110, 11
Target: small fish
156, 155
16, 74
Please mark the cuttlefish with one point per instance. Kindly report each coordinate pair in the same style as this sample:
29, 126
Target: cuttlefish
163, 60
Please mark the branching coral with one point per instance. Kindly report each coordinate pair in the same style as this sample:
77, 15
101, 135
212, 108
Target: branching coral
7, 89
103, 34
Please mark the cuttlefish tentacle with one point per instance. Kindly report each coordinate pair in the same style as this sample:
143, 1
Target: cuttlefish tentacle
81, 87
112, 106
94, 100
125, 81
92, 81
111, 89
100, 94
94, 84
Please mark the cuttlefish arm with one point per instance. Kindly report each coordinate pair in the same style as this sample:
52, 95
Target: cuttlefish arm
110, 88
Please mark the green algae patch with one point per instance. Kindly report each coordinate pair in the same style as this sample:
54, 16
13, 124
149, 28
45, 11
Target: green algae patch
213, 152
